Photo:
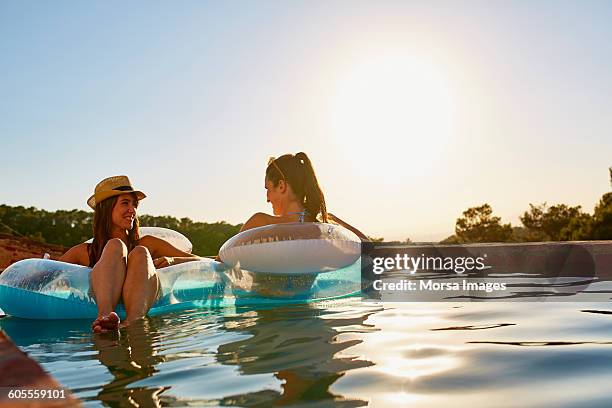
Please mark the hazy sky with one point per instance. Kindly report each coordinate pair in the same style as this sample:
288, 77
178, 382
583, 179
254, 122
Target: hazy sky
411, 111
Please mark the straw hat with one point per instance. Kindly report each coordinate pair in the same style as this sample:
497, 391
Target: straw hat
111, 187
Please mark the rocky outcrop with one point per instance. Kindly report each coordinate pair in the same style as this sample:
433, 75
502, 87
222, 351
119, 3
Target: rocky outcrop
13, 249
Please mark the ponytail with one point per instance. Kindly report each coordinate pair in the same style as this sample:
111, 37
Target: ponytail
314, 201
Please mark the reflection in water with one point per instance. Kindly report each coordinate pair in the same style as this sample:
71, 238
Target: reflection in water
237, 357
607, 312
25, 332
340, 353
301, 348
423, 367
479, 327
539, 343
130, 355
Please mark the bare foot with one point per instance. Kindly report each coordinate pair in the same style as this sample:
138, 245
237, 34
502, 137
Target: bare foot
107, 323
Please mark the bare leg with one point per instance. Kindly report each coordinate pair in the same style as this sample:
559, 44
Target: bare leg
141, 284
107, 279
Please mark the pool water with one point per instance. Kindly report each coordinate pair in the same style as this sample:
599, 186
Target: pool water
337, 353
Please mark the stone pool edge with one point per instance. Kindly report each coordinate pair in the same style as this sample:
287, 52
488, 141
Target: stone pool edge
20, 372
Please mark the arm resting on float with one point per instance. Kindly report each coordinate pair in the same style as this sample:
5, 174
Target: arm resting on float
164, 253
349, 227
181, 259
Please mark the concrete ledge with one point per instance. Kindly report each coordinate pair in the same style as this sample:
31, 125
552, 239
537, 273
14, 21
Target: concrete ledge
18, 371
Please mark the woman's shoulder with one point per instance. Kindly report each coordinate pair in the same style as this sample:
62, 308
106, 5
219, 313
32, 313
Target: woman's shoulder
262, 219
259, 220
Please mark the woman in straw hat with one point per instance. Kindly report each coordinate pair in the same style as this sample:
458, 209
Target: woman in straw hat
123, 263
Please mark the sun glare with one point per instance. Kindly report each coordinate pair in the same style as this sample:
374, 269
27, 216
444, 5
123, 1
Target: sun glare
393, 114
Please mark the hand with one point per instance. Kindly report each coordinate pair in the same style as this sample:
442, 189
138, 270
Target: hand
163, 261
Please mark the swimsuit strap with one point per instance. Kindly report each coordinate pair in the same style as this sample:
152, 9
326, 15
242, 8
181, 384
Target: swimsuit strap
302, 215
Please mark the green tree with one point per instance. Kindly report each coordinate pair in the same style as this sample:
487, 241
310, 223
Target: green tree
68, 228
479, 225
533, 221
556, 223
452, 240
601, 224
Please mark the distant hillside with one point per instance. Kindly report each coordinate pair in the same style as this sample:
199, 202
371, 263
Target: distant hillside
66, 228
13, 249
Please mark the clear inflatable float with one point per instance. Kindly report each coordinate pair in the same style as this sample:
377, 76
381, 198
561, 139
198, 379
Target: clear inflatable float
280, 264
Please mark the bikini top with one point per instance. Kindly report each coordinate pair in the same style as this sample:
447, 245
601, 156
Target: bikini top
301, 215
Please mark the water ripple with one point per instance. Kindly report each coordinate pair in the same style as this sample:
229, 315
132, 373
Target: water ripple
341, 353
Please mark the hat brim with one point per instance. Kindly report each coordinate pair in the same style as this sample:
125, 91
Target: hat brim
103, 195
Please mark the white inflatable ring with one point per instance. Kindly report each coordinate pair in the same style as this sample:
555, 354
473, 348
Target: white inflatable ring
293, 248
177, 239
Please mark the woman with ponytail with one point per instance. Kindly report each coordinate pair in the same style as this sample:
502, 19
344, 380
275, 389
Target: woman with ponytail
296, 196
294, 192
123, 263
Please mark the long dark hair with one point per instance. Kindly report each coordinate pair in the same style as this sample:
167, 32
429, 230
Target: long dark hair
297, 171
103, 226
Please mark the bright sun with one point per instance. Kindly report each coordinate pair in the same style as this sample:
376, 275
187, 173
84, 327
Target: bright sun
393, 114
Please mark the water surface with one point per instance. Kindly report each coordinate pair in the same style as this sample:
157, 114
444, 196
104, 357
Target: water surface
342, 353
